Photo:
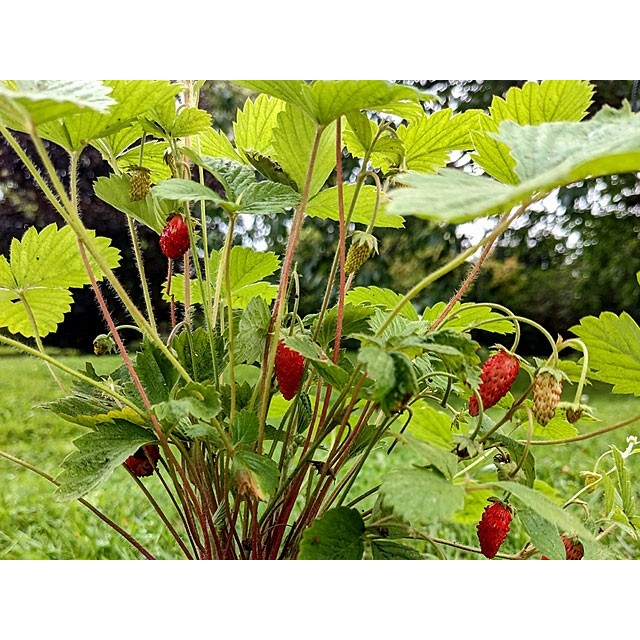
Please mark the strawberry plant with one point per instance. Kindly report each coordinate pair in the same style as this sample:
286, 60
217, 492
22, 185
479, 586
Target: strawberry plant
256, 422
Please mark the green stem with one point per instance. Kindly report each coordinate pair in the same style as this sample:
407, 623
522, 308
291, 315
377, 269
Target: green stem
279, 304
586, 436
225, 263
439, 273
72, 218
581, 346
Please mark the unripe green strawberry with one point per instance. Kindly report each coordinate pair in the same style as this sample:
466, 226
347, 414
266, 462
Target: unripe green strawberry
362, 246
289, 368
103, 344
498, 374
143, 462
140, 183
547, 389
169, 160
493, 527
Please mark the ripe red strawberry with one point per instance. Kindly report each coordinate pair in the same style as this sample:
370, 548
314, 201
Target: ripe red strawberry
493, 527
141, 465
174, 239
498, 374
573, 549
289, 369
547, 389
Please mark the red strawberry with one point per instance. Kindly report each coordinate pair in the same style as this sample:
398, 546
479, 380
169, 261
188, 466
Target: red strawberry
289, 370
143, 464
174, 240
493, 527
498, 374
573, 549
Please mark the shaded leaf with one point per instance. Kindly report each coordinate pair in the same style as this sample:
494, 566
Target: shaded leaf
98, 453
337, 535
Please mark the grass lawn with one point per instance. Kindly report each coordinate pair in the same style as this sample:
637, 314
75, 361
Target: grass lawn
33, 525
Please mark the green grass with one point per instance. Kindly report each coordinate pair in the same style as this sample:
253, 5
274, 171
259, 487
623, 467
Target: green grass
34, 525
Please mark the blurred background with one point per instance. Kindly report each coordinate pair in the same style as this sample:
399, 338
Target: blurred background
573, 255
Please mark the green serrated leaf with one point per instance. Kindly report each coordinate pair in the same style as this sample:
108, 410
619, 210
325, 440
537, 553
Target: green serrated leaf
326, 100
468, 316
614, 349
40, 101
244, 429
354, 320
547, 156
429, 141
292, 145
380, 367
389, 550
253, 128
430, 425
134, 98
215, 144
533, 104
544, 534
98, 454
433, 456
325, 206
114, 190
609, 494
184, 190
384, 298
254, 326
35, 282
194, 353
156, 373
421, 496
337, 535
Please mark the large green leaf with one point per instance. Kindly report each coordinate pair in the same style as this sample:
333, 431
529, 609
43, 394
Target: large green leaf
533, 104
326, 100
337, 535
384, 298
421, 496
544, 534
429, 141
325, 205
114, 190
614, 349
35, 282
254, 326
253, 128
390, 550
467, 316
133, 97
184, 190
247, 270
217, 145
430, 425
547, 156
40, 101
358, 137
292, 145
98, 454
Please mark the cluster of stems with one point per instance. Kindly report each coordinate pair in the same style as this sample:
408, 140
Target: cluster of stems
214, 511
